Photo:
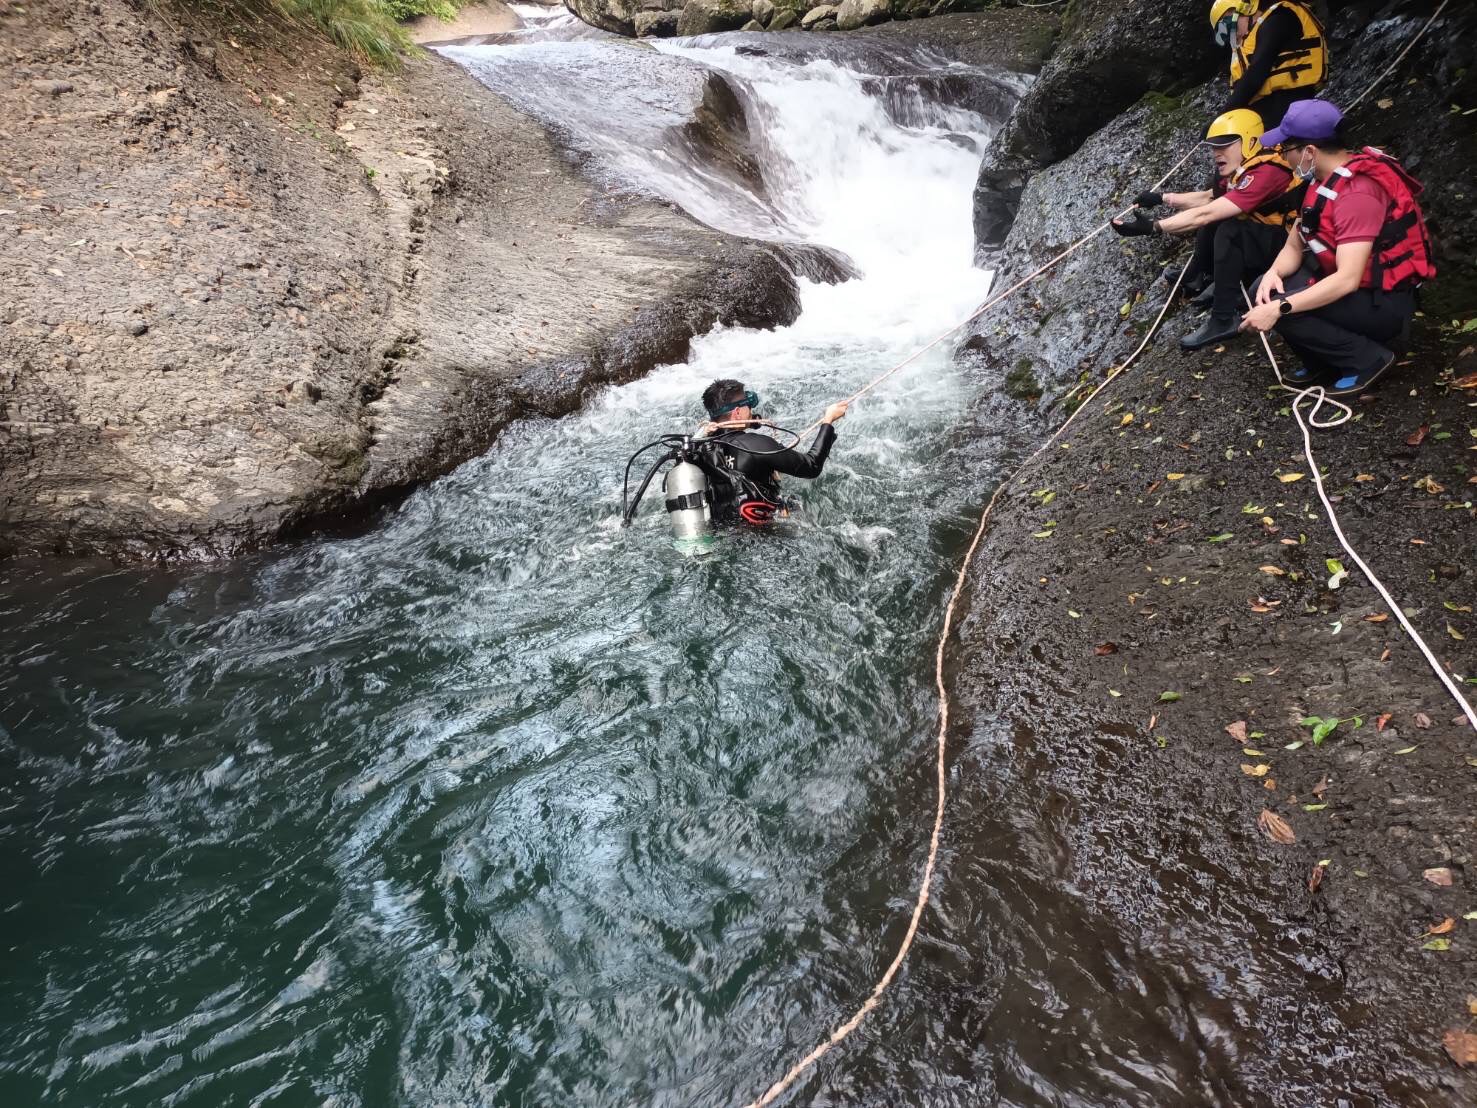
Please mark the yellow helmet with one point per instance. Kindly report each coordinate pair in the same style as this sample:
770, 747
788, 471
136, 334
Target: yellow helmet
1223, 15
1243, 124
1219, 9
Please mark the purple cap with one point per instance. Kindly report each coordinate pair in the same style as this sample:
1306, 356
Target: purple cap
1310, 120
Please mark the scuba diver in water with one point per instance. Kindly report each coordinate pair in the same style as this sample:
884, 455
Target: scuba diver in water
728, 472
751, 462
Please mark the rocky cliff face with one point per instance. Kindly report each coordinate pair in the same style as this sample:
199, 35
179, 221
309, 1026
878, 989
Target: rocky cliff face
1103, 684
247, 288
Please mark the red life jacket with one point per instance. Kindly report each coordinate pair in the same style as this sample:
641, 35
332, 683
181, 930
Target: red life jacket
1402, 249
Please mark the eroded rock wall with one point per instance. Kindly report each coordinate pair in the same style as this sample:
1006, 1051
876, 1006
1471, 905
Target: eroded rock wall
246, 288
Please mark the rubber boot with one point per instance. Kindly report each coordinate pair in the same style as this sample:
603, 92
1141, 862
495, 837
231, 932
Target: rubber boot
1217, 328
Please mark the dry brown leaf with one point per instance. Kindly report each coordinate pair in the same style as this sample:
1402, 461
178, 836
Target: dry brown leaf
1255, 771
1461, 1045
1237, 731
1153, 719
1441, 928
1273, 672
1103, 648
1315, 879
1422, 720
1385, 657
1363, 477
1275, 827
1288, 542
1467, 382
1379, 724
1438, 875
1262, 604
1274, 571
1377, 617
1270, 784
1320, 788
1417, 436
1471, 1004
1288, 478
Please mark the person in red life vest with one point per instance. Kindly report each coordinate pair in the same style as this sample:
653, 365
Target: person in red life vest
1345, 282
1239, 223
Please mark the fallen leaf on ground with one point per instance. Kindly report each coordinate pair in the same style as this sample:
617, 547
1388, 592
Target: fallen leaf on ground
1363, 477
1255, 771
1454, 633
1461, 1045
1174, 476
1422, 720
1105, 648
1438, 875
1126, 420
1437, 944
1377, 617
1320, 788
1441, 928
1237, 731
1168, 697
1262, 604
1467, 382
1275, 827
1315, 879
1379, 724
1452, 606
1430, 485
1153, 719
1417, 436
1287, 478
1274, 571
1385, 657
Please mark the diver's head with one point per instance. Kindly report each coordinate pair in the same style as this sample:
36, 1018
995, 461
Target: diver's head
728, 401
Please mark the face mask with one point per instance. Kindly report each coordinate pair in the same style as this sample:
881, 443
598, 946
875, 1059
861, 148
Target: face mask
1305, 172
1224, 28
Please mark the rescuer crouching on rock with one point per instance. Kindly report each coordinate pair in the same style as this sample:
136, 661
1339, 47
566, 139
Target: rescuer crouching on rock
1345, 282
1240, 222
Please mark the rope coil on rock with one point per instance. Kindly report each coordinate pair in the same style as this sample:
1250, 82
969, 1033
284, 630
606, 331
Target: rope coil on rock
1319, 398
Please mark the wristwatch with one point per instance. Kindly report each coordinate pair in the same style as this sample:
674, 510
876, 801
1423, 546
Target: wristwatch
1285, 307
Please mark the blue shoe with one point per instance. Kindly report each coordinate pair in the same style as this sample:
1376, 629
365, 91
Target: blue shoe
1358, 382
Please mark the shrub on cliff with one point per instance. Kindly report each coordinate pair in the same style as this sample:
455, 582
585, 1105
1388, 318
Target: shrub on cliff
368, 29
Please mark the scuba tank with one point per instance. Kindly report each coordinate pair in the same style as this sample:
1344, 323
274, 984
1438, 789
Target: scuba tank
686, 487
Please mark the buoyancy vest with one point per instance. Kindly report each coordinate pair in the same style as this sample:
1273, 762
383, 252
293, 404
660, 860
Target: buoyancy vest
1280, 211
1302, 65
1402, 249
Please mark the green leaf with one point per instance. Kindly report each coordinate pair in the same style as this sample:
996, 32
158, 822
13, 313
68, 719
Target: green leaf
1437, 944
1469, 915
1334, 565
1296, 744
1314, 807
1257, 735
1222, 537
1168, 697
1404, 750
1324, 728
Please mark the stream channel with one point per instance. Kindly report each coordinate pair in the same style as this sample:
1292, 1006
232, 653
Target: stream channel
500, 804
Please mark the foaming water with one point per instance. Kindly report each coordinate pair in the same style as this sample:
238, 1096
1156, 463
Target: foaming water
501, 804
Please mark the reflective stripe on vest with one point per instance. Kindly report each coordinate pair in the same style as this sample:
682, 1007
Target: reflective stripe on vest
1401, 253
1304, 64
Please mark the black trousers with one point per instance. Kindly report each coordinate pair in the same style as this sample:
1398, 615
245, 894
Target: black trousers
1347, 336
1243, 251
1274, 105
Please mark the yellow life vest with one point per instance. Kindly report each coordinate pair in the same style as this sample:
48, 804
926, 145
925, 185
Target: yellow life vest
1302, 65
1281, 211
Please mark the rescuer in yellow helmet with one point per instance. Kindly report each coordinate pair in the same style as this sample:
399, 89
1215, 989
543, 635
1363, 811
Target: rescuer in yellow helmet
1279, 53
1240, 222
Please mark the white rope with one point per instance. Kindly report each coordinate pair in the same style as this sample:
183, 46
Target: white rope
1320, 397
1400, 57
875, 997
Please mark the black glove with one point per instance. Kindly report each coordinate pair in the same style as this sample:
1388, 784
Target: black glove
1137, 224
1148, 199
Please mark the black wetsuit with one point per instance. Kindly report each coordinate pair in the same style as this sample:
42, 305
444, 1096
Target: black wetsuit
762, 468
